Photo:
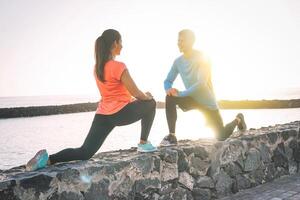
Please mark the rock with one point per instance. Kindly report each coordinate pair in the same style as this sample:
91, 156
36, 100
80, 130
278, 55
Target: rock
202, 169
269, 172
288, 133
169, 171
280, 171
181, 194
293, 144
166, 188
182, 162
232, 152
223, 184
98, 191
279, 157
201, 194
177, 194
293, 167
232, 169
296, 152
198, 167
242, 182
66, 196
157, 164
200, 152
288, 152
272, 137
265, 153
146, 187
252, 161
169, 155
188, 150
121, 187
186, 180
144, 164
256, 177
69, 176
39, 183
8, 194
204, 182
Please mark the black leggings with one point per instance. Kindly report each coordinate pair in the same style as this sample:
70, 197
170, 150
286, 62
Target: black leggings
213, 117
103, 124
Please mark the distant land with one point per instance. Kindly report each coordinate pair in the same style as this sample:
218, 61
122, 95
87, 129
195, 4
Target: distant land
89, 107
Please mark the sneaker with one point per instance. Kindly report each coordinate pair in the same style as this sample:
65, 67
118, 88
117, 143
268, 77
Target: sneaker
169, 140
242, 124
38, 161
147, 147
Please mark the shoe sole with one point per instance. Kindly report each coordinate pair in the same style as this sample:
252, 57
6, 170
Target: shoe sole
146, 151
167, 145
32, 161
243, 123
244, 126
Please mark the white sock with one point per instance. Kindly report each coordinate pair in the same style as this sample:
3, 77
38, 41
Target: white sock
172, 134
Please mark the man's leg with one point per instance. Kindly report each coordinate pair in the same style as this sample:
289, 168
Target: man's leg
215, 120
185, 103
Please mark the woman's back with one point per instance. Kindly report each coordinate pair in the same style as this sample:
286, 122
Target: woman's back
113, 92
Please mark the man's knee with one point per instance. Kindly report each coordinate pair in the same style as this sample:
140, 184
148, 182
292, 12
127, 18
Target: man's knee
170, 99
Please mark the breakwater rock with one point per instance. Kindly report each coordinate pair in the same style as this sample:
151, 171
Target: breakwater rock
201, 169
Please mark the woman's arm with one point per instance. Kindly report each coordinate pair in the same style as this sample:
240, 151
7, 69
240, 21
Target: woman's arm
132, 88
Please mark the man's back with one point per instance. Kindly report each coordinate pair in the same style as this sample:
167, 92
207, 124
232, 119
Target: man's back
195, 73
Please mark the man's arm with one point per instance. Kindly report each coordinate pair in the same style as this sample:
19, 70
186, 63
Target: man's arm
170, 77
203, 76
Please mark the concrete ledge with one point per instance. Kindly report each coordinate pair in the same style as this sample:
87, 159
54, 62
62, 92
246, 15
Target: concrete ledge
202, 169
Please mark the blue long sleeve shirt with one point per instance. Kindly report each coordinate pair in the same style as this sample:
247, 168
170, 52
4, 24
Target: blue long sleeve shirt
196, 79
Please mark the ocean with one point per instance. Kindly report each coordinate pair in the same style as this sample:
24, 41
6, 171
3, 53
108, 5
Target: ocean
21, 138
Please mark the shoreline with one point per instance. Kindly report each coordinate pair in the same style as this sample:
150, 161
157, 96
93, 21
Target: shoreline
31, 111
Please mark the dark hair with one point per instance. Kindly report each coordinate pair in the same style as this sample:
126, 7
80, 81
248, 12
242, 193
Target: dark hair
103, 46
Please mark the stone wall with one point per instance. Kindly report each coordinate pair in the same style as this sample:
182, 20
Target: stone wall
202, 169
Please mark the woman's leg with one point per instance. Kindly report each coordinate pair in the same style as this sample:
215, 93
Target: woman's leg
98, 132
134, 111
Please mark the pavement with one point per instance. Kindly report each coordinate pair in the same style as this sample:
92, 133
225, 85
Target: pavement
285, 188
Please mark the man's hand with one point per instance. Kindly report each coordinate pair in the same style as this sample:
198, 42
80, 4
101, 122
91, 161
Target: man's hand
172, 92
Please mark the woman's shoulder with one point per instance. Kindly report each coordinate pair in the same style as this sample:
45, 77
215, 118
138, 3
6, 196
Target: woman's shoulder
115, 63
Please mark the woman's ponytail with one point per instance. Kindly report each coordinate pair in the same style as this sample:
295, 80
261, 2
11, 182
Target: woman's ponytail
103, 46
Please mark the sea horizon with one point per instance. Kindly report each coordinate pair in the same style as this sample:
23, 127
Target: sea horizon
61, 99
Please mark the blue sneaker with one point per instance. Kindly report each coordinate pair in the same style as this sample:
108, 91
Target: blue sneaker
148, 147
38, 161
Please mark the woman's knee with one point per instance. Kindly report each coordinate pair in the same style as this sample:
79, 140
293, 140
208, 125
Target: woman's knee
152, 103
86, 153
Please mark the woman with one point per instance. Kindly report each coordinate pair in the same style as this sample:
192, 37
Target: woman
117, 106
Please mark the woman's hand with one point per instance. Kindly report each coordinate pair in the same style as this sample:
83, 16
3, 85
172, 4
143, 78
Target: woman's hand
149, 95
132, 87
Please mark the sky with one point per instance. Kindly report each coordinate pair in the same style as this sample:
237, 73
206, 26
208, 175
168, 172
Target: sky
47, 47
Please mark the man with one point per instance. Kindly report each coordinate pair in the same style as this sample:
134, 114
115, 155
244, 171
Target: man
195, 72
